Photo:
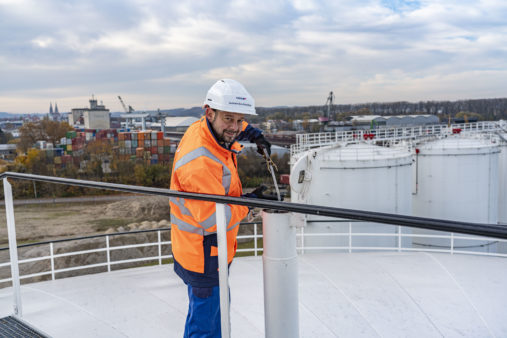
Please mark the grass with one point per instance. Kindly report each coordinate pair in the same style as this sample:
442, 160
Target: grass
62, 214
106, 223
250, 245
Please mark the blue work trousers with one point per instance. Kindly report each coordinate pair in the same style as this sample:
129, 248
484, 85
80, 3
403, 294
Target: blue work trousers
203, 319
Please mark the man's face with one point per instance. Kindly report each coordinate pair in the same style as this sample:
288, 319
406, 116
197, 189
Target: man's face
225, 124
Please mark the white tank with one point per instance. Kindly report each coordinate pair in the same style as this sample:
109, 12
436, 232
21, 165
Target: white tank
457, 179
353, 176
502, 179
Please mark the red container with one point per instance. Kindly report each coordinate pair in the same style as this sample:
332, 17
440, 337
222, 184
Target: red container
284, 179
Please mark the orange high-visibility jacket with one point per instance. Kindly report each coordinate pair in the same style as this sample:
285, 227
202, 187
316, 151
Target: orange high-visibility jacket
201, 165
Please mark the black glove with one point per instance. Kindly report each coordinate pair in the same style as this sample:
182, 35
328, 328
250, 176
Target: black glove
259, 193
262, 144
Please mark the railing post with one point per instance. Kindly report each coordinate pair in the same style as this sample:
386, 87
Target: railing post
452, 243
13, 247
159, 248
302, 240
279, 258
350, 237
255, 239
223, 270
399, 238
51, 254
108, 254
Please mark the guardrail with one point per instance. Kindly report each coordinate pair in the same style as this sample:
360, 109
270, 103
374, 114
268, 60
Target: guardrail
312, 140
489, 230
108, 249
255, 250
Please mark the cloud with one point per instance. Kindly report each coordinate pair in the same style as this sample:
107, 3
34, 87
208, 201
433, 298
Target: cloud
166, 54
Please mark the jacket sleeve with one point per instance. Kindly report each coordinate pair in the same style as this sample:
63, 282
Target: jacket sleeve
204, 175
248, 133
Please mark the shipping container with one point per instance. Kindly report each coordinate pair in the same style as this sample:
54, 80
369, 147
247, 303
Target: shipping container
70, 134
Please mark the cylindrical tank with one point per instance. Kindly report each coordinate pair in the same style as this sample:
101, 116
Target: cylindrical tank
354, 176
502, 179
457, 179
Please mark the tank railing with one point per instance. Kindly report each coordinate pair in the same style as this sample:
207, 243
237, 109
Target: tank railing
383, 133
488, 230
398, 236
108, 249
254, 250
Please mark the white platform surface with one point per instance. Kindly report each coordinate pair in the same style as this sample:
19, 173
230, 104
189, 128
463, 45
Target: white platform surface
340, 295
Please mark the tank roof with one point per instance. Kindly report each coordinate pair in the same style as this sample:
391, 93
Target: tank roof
459, 144
364, 152
352, 295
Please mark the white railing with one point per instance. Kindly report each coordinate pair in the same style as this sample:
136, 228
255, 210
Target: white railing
108, 249
255, 250
387, 134
451, 248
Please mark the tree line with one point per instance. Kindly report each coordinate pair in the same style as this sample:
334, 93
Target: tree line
488, 109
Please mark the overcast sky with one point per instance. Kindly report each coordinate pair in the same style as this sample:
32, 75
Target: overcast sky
166, 54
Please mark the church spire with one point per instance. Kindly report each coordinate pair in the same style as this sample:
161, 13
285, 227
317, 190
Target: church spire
50, 108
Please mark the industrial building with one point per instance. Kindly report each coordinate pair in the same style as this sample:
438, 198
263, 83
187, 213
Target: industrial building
94, 117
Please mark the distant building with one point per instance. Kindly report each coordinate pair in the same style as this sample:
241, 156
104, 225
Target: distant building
95, 117
8, 151
54, 115
178, 123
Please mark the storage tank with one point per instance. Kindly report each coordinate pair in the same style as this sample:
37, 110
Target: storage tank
457, 179
354, 176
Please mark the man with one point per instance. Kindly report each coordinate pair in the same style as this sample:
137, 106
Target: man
205, 162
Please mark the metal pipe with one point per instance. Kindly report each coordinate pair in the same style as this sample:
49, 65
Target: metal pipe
223, 270
13, 248
280, 273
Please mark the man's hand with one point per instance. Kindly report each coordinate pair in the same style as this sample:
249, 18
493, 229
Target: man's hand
259, 193
262, 144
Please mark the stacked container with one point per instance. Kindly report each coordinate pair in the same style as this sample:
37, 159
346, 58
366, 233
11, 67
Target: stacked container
150, 146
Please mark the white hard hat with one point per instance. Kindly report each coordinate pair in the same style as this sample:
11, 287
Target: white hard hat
230, 95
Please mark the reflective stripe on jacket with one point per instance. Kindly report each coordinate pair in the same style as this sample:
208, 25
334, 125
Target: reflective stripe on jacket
201, 165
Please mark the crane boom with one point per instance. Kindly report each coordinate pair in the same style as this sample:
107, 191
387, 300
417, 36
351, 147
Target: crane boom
128, 110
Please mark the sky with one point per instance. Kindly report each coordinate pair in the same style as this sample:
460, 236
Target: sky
166, 54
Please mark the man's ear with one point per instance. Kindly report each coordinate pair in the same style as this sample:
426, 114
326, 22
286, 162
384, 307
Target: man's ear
210, 114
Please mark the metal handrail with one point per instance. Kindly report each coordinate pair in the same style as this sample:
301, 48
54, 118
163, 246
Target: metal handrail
481, 229
489, 230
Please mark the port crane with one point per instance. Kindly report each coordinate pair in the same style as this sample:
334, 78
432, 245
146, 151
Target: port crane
130, 110
329, 104
130, 116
